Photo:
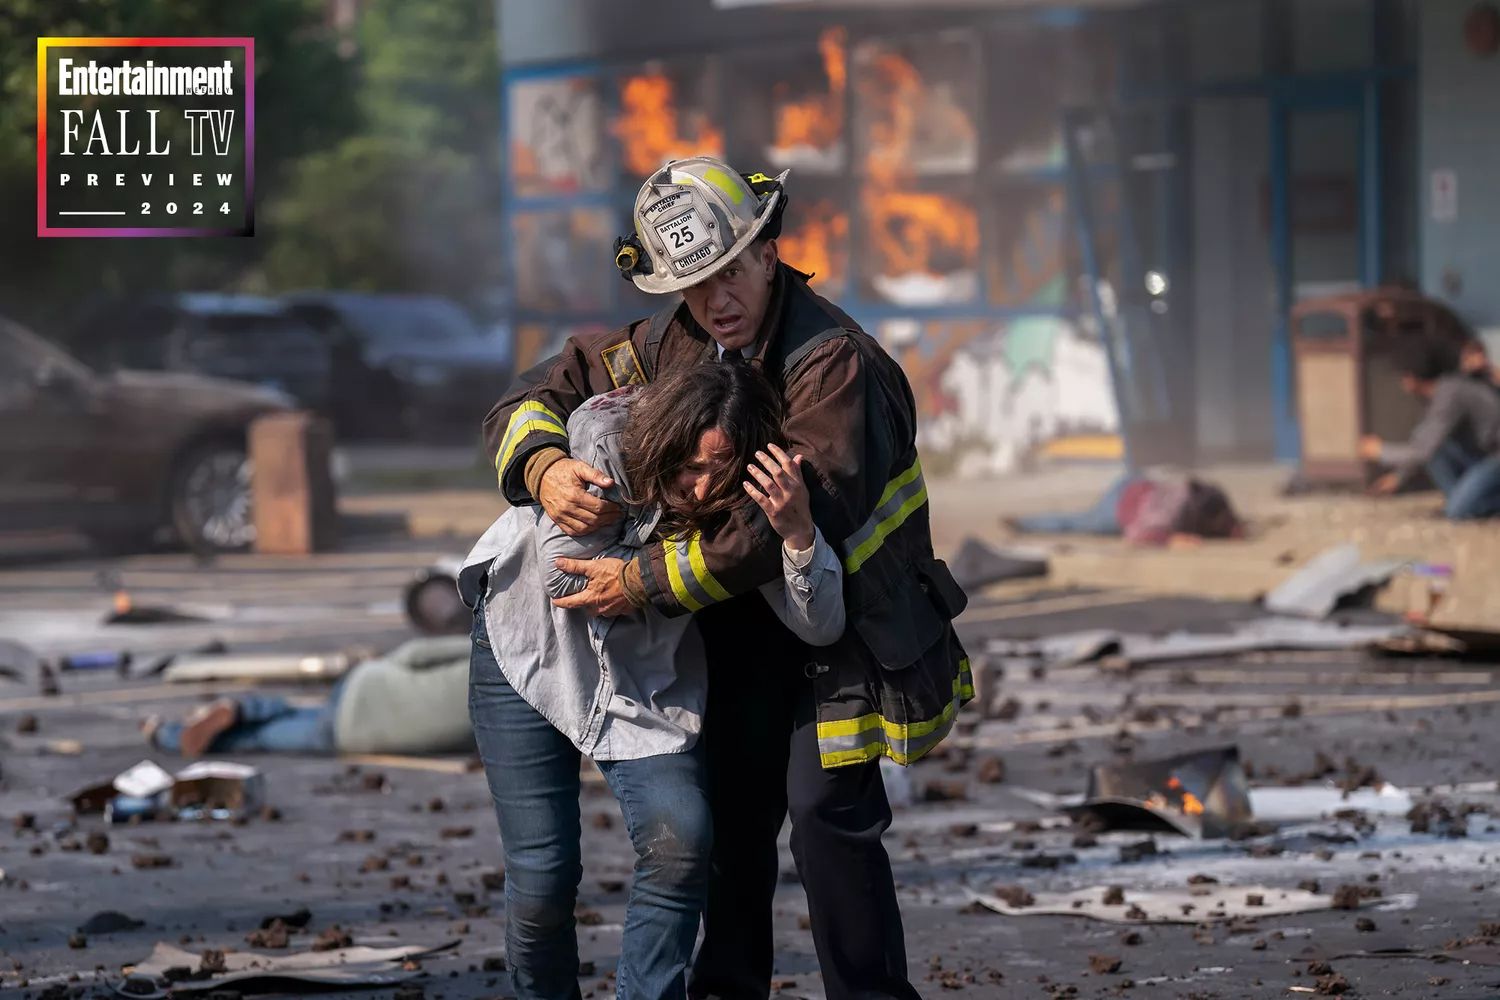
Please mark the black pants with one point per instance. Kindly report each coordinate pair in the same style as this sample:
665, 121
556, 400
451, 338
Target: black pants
762, 754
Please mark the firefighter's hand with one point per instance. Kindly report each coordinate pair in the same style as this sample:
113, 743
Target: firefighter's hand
605, 594
1370, 448
1386, 484
783, 496
563, 495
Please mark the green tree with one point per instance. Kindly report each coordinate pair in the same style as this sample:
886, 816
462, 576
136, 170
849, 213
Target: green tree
413, 201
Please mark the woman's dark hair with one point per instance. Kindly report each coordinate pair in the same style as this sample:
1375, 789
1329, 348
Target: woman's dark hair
1207, 512
671, 414
1424, 358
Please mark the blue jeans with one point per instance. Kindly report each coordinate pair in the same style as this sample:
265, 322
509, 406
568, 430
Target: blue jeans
1470, 485
532, 771
267, 724
1101, 519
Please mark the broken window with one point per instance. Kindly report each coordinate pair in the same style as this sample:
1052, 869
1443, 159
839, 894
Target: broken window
557, 142
562, 259
916, 109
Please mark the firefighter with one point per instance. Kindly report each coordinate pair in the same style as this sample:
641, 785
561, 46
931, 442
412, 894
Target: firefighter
789, 728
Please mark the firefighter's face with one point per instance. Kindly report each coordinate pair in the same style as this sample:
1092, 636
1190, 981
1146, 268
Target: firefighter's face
715, 451
731, 304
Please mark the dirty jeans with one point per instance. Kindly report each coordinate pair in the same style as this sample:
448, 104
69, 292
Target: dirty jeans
267, 724
533, 776
1470, 485
1101, 519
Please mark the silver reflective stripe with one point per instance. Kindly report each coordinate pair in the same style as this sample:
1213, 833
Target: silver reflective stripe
904, 494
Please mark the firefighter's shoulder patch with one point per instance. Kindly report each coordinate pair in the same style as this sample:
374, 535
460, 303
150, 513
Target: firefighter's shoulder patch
624, 364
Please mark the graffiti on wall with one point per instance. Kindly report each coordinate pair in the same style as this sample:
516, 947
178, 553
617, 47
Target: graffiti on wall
992, 394
557, 136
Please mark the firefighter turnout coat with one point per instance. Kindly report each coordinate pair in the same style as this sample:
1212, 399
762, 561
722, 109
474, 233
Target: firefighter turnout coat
895, 681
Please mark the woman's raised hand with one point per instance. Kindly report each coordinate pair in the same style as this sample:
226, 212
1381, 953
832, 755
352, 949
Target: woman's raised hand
782, 495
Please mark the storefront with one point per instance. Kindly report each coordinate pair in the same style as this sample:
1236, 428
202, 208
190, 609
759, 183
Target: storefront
1066, 223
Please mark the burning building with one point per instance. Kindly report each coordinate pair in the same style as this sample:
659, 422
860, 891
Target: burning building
1063, 222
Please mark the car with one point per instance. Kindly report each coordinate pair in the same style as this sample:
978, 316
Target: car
120, 456
409, 366
248, 338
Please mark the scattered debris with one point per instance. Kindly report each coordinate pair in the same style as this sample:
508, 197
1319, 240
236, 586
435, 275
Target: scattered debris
1131, 853
27, 724
945, 791
1365, 925
110, 922
991, 770
333, 939
1015, 896
1105, 965
1218, 903
344, 966
148, 861
263, 667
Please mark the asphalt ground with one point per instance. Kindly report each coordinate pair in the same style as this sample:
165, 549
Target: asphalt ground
396, 852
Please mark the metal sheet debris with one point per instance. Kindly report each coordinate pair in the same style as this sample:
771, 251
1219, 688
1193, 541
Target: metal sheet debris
266, 667
976, 565
1202, 794
1316, 589
1193, 905
358, 966
1259, 635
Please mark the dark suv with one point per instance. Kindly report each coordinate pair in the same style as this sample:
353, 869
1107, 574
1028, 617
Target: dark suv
120, 456
249, 338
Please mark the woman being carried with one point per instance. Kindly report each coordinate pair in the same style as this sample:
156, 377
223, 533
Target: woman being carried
547, 685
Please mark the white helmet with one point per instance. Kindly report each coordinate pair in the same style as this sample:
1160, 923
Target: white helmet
692, 217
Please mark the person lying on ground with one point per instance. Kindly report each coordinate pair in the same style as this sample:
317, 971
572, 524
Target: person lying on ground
1457, 440
410, 701
549, 684
1147, 510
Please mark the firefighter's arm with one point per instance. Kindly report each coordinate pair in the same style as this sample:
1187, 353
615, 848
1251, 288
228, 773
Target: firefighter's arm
826, 423
526, 434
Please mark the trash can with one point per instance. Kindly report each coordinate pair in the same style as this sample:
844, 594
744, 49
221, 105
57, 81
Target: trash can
1347, 384
291, 486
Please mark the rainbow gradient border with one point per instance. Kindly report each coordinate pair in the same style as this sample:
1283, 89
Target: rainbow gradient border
43, 44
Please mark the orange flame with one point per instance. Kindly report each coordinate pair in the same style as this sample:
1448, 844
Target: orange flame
819, 244
911, 231
1191, 804
650, 129
818, 120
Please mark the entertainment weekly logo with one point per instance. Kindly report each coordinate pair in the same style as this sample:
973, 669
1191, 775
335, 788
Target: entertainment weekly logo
145, 137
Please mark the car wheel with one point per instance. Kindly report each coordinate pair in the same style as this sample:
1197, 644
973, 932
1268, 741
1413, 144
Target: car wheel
211, 499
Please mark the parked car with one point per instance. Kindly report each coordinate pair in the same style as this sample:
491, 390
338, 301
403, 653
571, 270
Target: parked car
408, 366
249, 338
120, 456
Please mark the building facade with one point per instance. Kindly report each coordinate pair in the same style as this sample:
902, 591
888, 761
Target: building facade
1079, 228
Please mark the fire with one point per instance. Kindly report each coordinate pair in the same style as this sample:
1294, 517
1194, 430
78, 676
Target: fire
650, 129
819, 245
912, 232
818, 120
1191, 804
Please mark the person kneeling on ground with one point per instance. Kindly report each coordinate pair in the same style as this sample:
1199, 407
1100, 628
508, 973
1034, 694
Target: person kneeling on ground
412, 700
1457, 440
1147, 511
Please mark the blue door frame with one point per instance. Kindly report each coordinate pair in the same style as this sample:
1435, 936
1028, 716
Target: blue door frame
1363, 98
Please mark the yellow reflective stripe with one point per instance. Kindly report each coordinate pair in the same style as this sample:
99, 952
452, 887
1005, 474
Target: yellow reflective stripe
540, 425
700, 569
900, 730
869, 546
674, 576
898, 482
837, 758
529, 416
719, 179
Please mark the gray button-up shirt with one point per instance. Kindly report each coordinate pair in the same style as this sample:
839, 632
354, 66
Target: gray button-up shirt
627, 687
